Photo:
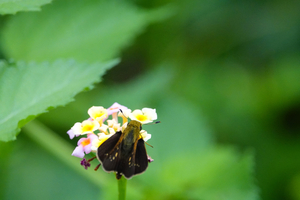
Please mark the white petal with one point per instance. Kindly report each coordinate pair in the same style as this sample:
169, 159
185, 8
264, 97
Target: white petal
150, 113
76, 129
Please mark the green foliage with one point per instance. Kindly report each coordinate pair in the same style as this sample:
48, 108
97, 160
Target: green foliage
203, 178
218, 73
82, 30
26, 92
13, 6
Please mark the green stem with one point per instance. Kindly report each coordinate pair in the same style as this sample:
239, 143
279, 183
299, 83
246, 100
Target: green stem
122, 188
61, 149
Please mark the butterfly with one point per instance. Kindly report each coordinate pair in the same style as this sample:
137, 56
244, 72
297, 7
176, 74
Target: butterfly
124, 152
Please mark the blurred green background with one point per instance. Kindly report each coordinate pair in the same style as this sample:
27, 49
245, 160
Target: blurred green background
224, 77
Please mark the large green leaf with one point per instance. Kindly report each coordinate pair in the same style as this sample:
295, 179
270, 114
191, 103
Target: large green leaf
13, 6
84, 30
28, 89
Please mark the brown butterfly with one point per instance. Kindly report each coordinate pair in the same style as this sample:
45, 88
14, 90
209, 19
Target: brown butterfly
124, 152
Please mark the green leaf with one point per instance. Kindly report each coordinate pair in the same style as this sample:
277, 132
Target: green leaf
13, 6
84, 30
28, 89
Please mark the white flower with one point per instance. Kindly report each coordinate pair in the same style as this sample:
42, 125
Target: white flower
146, 115
87, 126
98, 113
145, 135
114, 125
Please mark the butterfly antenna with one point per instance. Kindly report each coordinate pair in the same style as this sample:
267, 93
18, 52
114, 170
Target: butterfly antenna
157, 122
122, 113
149, 144
149, 124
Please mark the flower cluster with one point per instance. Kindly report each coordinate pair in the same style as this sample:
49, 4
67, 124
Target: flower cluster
98, 128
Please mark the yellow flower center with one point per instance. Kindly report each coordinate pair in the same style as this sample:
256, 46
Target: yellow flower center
141, 118
87, 126
101, 141
99, 114
86, 142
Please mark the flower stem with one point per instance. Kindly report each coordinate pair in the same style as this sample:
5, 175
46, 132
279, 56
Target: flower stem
122, 188
60, 149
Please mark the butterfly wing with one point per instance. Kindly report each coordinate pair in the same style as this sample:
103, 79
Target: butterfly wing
126, 165
108, 153
141, 159
136, 161
114, 157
